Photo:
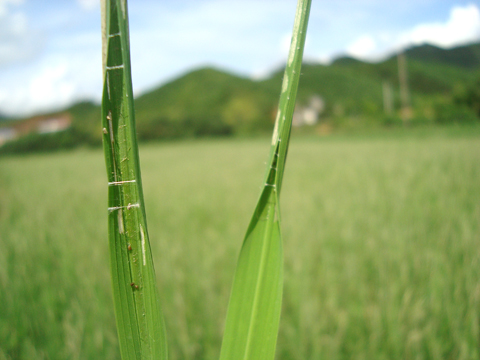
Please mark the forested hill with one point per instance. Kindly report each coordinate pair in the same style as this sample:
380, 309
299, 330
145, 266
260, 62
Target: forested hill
467, 56
213, 102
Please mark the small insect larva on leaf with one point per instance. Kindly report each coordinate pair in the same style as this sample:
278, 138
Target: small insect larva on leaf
133, 285
129, 247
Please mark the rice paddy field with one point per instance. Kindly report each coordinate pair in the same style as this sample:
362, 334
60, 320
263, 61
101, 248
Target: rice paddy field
381, 239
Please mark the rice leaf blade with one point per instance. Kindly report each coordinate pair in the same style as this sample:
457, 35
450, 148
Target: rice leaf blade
253, 315
140, 323
255, 303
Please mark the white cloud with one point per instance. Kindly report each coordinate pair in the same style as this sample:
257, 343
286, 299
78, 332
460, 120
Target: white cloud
41, 89
55, 82
362, 47
89, 4
285, 43
463, 26
51, 83
324, 58
17, 43
4, 4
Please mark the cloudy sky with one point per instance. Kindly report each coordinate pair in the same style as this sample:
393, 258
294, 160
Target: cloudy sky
50, 51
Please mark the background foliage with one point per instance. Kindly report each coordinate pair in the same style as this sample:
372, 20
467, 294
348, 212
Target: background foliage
210, 102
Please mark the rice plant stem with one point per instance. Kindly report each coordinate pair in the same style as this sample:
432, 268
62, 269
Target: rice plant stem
253, 314
139, 319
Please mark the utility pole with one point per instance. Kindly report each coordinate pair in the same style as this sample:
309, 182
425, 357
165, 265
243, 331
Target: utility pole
387, 98
406, 110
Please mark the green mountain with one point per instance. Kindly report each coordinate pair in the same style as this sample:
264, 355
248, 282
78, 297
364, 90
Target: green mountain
212, 102
431, 70
467, 56
345, 90
204, 102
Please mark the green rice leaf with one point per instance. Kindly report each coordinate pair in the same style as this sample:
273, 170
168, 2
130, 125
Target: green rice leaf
253, 315
140, 323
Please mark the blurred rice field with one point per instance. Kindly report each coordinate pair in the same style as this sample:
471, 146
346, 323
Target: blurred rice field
381, 240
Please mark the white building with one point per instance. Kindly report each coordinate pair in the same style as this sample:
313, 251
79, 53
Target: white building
309, 114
